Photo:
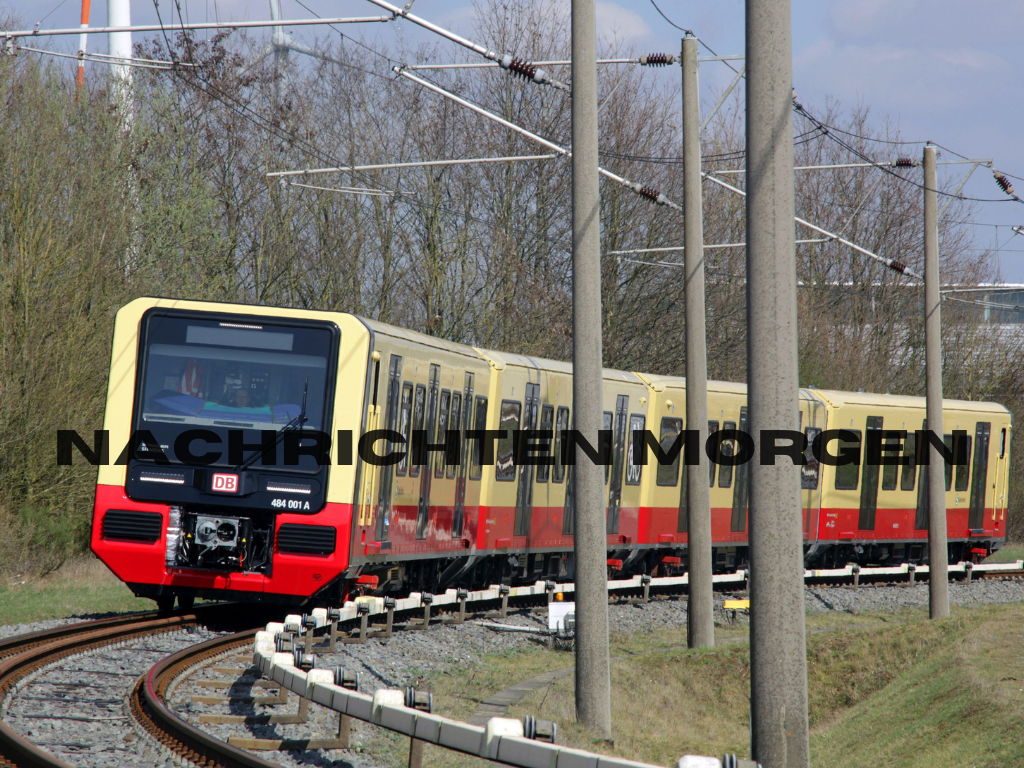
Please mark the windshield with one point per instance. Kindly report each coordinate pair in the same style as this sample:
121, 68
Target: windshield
220, 376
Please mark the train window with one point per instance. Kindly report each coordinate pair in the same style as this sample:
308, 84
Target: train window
505, 465
634, 471
419, 411
561, 424
668, 474
1002, 444
406, 425
848, 475
810, 472
910, 468
547, 419
712, 428
480, 424
442, 432
963, 470
607, 425
890, 451
726, 452
455, 424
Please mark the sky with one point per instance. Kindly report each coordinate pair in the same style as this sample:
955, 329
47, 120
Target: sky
946, 71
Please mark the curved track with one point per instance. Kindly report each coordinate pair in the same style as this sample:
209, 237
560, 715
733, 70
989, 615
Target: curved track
23, 655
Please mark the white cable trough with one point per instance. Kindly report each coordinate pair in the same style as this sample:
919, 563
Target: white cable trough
503, 740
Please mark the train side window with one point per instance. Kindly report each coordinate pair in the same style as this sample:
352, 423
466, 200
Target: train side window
561, 424
890, 451
1002, 443
848, 475
910, 468
455, 424
712, 428
963, 470
726, 451
505, 465
406, 426
419, 412
607, 425
637, 423
480, 424
811, 471
668, 474
547, 419
442, 432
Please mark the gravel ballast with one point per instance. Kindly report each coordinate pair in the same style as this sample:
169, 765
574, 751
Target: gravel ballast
76, 709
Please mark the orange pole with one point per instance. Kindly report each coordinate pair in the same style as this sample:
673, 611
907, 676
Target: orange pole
82, 40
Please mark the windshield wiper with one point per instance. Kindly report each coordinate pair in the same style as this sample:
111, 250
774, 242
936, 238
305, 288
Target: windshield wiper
291, 426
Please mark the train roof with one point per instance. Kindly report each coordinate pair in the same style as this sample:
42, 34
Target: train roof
839, 398
660, 383
501, 359
416, 337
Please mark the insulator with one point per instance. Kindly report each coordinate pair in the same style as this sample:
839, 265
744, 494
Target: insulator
657, 59
650, 193
523, 68
1003, 182
904, 162
898, 266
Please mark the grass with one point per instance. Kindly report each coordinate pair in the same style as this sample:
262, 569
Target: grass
80, 586
887, 688
1007, 554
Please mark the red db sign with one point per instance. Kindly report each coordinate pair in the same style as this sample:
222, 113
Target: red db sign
225, 483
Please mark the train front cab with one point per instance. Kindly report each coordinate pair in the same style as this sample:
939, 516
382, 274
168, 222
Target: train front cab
877, 515
134, 531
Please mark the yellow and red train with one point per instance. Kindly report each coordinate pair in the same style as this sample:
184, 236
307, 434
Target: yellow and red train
207, 517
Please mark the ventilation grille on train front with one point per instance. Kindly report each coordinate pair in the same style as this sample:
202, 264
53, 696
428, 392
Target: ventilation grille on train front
133, 526
306, 539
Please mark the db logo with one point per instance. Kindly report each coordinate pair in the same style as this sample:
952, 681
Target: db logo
225, 483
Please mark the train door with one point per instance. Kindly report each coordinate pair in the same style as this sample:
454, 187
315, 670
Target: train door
999, 498
921, 518
979, 477
869, 486
810, 472
524, 492
423, 513
564, 471
460, 479
741, 493
618, 453
386, 496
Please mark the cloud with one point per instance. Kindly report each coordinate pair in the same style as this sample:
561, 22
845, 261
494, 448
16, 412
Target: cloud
620, 24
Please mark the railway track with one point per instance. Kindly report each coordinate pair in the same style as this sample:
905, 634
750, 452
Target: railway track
147, 703
22, 656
